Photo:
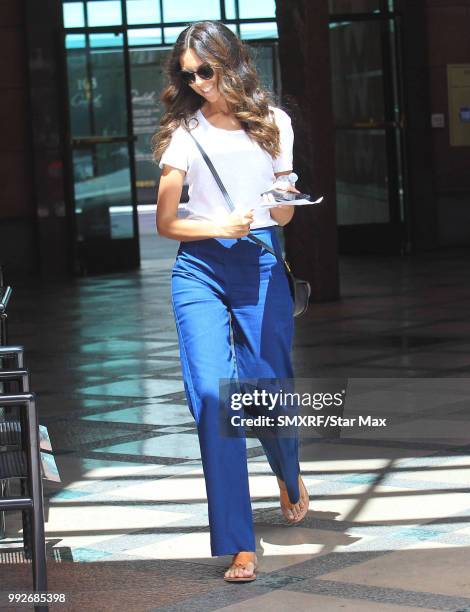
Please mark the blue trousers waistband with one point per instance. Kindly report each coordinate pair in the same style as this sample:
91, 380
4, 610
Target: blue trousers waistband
243, 247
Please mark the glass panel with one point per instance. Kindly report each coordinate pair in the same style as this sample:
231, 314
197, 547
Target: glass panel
145, 36
355, 6
357, 74
171, 34
230, 11
106, 12
74, 15
102, 184
96, 92
258, 30
110, 116
75, 41
361, 179
143, 11
82, 99
262, 56
190, 11
103, 194
260, 8
103, 40
147, 82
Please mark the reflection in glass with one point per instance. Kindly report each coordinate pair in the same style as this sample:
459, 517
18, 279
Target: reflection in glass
145, 36
191, 11
354, 6
110, 116
147, 82
75, 41
361, 173
356, 71
74, 15
104, 12
94, 78
262, 56
104, 39
143, 11
260, 8
102, 184
258, 30
80, 89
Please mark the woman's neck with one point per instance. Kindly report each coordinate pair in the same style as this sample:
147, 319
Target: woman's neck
219, 107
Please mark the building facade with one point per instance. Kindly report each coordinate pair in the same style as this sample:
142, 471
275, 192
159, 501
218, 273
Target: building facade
81, 83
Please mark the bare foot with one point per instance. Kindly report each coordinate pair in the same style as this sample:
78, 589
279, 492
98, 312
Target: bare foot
243, 566
294, 513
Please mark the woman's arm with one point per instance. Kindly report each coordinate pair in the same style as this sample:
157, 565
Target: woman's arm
283, 213
186, 230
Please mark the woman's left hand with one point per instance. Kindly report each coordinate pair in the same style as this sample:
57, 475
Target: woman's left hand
282, 186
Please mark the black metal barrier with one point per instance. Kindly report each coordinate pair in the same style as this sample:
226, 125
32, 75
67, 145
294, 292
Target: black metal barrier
21, 459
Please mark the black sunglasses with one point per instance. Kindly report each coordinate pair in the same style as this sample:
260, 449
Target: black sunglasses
205, 71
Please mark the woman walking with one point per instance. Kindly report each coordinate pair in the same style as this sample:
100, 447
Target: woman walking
224, 285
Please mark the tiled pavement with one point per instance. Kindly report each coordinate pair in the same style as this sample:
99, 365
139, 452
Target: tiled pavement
389, 524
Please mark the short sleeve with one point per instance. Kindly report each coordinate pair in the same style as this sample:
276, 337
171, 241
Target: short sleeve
176, 154
284, 161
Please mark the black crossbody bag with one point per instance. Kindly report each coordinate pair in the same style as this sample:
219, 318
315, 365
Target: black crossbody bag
300, 289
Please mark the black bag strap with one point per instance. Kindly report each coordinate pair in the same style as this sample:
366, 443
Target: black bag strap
230, 203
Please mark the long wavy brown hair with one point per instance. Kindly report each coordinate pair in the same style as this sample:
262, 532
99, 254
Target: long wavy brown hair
238, 83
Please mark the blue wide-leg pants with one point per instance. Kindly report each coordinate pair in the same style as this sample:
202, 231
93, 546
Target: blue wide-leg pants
219, 285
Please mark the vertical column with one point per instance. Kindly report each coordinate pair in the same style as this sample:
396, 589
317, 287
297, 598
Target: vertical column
17, 212
46, 117
304, 56
418, 144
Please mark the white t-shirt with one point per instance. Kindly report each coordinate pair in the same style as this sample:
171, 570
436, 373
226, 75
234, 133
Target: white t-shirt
244, 167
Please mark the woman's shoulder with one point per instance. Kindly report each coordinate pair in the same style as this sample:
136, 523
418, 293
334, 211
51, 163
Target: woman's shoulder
181, 131
280, 115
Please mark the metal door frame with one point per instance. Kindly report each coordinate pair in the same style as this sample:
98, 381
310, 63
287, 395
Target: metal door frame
70, 143
393, 236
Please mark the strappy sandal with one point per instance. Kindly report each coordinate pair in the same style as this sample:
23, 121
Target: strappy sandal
243, 578
305, 498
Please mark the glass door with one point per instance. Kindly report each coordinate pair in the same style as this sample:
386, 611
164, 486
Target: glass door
101, 155
369, 127
114, 61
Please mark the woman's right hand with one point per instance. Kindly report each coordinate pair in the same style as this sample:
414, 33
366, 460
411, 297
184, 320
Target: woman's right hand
236, 224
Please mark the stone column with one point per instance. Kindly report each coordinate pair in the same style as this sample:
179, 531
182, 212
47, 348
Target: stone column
17, 209
44, 50
304, 56
418, 133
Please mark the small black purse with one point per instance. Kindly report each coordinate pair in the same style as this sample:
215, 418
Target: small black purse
300, 289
